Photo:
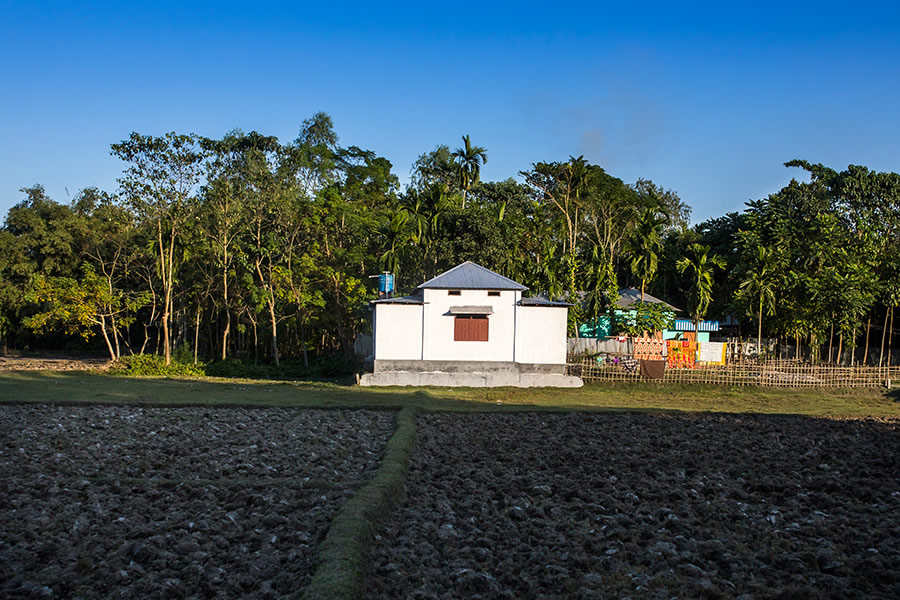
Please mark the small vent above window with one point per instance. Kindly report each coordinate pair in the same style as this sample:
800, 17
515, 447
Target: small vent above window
493, 293
453, 292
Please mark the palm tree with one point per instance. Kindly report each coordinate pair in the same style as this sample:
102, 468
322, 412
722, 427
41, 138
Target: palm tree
469, 159
700, 268
761, 281
395, 236
645, 246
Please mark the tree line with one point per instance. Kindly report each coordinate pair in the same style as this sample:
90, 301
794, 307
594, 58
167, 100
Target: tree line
246, 247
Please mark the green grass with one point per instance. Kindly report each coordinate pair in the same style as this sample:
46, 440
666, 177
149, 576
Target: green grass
342, 556
78, 388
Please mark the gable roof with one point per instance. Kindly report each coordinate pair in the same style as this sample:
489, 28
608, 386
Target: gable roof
629, 296
470, 276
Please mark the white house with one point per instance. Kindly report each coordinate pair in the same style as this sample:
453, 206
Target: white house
470, 327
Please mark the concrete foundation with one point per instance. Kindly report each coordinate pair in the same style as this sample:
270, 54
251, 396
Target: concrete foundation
469, 379
467, 366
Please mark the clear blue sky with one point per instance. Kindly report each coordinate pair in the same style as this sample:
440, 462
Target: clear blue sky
707, 99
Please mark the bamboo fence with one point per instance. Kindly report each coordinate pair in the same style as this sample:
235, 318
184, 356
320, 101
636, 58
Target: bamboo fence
772, 373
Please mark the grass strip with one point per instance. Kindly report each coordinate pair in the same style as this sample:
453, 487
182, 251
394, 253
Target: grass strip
342, 555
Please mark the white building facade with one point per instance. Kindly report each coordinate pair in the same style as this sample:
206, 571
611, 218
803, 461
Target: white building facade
470, 326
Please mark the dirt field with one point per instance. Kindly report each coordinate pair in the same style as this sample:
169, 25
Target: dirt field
608, 506
112, 502
58, 363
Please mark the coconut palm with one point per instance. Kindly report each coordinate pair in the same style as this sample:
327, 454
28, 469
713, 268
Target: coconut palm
468, 160
761, 281
700, 268
645, 246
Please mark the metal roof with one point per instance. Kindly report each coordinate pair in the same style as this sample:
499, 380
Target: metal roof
414, 299
470, 276
629, 296
538, 301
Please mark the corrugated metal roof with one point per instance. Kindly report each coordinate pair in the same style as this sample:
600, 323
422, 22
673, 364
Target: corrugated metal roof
542, 302
628, 296
470, 276
416, 299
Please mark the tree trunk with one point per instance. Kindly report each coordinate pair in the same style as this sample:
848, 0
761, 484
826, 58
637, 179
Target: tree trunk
164, 261
840, 347
866, 351
196, 333
759, 332
115, 332
303, 340
255, 346
274, 331
831, 341
225, 301
883, 334
112, 353
890, 336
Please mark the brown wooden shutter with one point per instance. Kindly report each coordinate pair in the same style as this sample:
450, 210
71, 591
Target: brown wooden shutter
470, 328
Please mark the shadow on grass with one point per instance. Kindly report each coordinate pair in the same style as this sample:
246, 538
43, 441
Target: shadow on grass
91, 388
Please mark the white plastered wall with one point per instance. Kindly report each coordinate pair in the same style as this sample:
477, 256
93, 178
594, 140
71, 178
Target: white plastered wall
398, 331
541, 334
439, 326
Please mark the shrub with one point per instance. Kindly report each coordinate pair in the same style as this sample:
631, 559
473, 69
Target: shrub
155, 365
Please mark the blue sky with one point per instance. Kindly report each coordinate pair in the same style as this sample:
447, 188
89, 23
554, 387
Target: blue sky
707, 99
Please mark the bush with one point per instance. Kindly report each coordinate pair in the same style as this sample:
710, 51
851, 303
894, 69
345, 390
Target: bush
155, 365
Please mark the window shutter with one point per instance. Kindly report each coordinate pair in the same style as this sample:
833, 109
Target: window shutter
470, 328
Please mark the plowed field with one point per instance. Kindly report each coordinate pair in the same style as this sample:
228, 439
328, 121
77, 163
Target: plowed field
112, 502
608, 506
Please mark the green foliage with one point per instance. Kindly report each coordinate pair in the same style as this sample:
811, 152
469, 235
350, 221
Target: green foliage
153, 365
645, 244
699, 267
82, 306
642, 317
468, 160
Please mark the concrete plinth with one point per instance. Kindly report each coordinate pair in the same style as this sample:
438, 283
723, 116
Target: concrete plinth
493, 379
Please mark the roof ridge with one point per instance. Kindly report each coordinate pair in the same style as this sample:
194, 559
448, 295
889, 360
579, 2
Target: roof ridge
452, 279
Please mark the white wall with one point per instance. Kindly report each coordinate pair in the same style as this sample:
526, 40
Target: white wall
541, 335
398, 331
439, 326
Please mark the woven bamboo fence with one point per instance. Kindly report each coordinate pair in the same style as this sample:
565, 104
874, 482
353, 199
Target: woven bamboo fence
780, 373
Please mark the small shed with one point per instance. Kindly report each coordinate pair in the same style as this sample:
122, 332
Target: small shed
470, 326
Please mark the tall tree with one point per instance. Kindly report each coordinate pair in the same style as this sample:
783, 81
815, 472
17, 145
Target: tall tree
700, 266
468, 160
161, 176
645, 245
760, 282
